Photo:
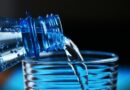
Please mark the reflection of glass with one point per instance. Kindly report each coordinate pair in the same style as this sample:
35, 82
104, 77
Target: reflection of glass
53, 72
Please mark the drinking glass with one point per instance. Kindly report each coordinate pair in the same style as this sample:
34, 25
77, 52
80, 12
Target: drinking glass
52, 71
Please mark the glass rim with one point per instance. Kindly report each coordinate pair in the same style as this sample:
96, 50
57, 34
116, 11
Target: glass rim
112, 57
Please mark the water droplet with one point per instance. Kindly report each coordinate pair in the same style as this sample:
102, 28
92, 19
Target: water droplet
11, 51
18, 55
15, 51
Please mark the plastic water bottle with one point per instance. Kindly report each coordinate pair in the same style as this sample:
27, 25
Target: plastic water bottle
28, 37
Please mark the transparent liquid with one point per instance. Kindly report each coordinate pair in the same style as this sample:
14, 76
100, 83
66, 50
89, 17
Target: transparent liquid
80, 70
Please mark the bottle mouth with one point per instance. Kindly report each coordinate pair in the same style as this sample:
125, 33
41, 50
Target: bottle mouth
59, 57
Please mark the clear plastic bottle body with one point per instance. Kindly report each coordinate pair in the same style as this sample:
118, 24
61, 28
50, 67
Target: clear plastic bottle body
11, 47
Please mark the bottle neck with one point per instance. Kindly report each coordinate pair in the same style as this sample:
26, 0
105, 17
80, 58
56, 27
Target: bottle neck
42, 34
